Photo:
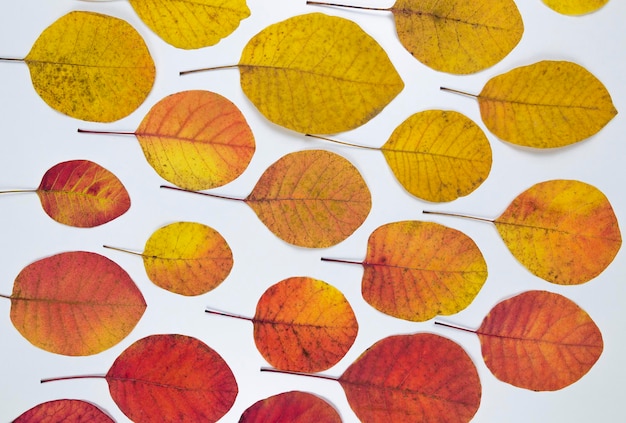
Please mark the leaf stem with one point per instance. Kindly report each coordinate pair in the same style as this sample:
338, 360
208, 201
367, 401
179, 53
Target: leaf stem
17, 191
454, 327
8, 297
234, 316
10, 59
319, 3
289, 372
464, 216
450, 90
333, 260
207, 69
224, 197
123, 250
365, 147
55, 379
91, 131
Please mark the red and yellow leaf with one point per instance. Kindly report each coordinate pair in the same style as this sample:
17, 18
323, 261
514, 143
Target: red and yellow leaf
66, 411
291, 407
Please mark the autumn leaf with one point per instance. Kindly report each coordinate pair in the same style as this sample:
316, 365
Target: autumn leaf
191, 25
65, 410
291, 407
539, 340
75, 303
194, 139
302, 324
455, 36
310, 198
563, 231
91, 66
186, 258
317, 74
169, 378
575, 7
547, 104
418, 270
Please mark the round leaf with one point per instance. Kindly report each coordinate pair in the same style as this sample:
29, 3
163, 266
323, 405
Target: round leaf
171, 378
83, 194
539, 340
65, 410
317, 74
438, 155
418, 270
75, 303
187, 258
191, 25
91, 66
575, 7
196, 139
291, 407
303, 324
311, 198
413, 378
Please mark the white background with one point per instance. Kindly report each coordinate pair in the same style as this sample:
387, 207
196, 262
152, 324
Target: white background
34, 137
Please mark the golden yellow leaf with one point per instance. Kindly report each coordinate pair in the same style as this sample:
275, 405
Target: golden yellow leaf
191, 24
316, 73
438, 155
458, 36
575, 7
91, 66
545, 105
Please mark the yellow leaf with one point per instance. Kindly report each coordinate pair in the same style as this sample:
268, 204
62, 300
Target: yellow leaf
575, 7
458, 36
92, 67
191, 24
316, 73
438, 155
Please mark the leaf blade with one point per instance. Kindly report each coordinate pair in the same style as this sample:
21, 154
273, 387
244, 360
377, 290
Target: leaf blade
65, 410
294, 407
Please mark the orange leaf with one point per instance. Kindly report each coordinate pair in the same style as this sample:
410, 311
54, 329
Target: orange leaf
413, 378
291, 407
83, 194
171, 378
303, 324
417, 270
539, 340
75, 303
66, 411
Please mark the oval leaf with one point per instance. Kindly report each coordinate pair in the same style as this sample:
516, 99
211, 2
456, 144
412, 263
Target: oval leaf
318, 74
304, 324
545, 105
458, 36
438, 155
539, 340
417, 270
75, 303
91, 66
196, 139
83, 194
291, 407
311, 198
563, 231
187, 258
171, 378
575, 7
417, 378
65, 410
191, 25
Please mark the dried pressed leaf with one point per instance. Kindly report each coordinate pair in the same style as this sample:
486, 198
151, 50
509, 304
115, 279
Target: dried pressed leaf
187, 258
304, 324
91, 66
317, 74
172, 378
563, 231
75, 303
291, 407
575, 7
191, 25
413, 378
82, 193
66, 411
418, 270
539, 340
545, 105
438, 155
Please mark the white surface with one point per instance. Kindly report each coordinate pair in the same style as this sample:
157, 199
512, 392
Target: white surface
34, 137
